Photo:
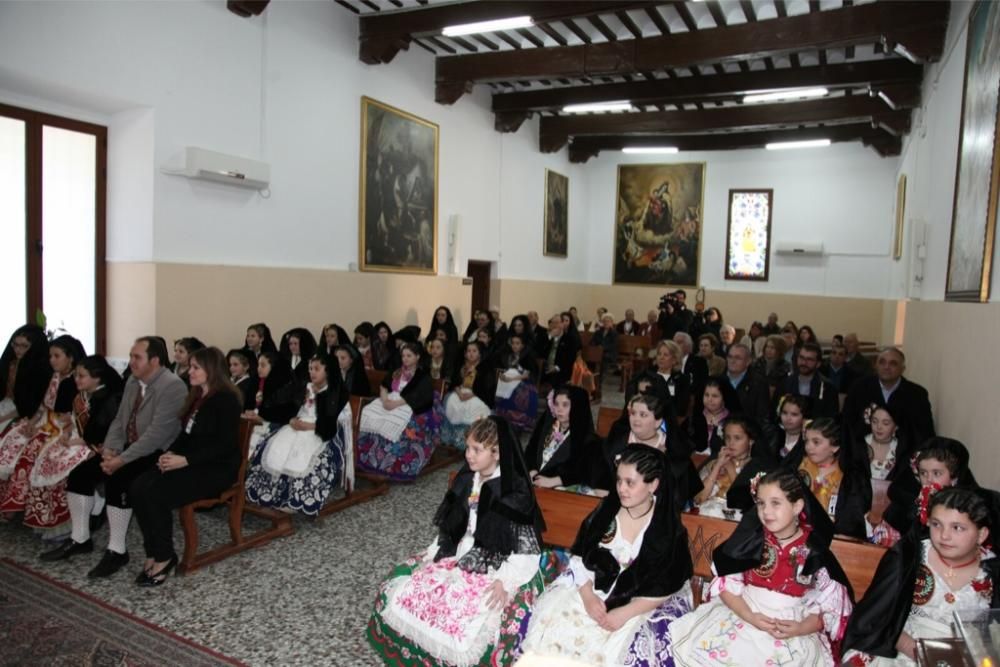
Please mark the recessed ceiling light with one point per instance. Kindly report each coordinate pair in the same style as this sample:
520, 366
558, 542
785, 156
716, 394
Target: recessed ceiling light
488, 26
621, 105
801, 93
649, 149
810, 143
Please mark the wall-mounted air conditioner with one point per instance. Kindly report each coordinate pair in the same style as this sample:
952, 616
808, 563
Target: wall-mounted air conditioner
799, 248
222, 168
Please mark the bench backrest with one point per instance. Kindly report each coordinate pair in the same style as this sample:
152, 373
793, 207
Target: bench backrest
375, 379
628, 345
246, 430
606, 417
564, 512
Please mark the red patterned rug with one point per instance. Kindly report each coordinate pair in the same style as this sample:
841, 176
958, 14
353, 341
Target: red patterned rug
45, 622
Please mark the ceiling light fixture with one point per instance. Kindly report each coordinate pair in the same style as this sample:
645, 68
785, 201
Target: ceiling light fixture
621, 105
810, 143
639, 150
488, 26
801, 93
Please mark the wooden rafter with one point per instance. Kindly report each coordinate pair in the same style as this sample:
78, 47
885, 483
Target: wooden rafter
918, 27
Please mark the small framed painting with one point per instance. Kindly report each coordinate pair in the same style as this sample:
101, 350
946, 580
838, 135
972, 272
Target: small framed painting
556, 214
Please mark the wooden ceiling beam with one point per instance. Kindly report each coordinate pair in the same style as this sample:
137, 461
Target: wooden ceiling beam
555, 131
249, 8
906, 23
880, 73
584, 148
385, 34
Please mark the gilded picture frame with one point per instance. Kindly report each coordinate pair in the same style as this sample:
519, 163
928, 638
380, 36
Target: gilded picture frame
658, 224
897, 239
398, 207
977, 172
555, 242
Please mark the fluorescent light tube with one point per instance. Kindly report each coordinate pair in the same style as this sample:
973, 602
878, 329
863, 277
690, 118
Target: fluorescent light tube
621, 105
488, 26
776, 96
811, 143
649, 149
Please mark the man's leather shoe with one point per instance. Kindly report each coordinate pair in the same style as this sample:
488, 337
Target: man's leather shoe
67, 549
110, 563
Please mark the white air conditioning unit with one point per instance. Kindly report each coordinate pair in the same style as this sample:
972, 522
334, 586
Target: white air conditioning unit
222, 168
799, 248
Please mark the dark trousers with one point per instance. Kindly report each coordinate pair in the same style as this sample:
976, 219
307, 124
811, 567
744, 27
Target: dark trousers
84, 478
156, 494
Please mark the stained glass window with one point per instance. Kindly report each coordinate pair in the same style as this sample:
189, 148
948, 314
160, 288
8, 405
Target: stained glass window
748, 240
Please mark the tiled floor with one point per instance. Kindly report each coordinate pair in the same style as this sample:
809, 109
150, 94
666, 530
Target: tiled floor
301, 600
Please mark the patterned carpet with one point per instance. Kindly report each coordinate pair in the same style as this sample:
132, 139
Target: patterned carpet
44, 622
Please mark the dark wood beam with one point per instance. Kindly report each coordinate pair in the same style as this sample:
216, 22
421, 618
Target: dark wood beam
897, 95
896, 22
580, 33
555, 131
584, 148
727, 86
654, 15
383, 35
553, 33
247, 8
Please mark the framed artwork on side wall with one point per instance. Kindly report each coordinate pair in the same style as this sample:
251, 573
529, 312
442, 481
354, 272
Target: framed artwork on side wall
748, 235
974, 212
658, 224
399, 188
556, 242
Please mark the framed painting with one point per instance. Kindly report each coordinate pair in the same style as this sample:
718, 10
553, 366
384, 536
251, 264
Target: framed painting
399, 190
974, 211
897, 243
748, 235
658, 224
556, 214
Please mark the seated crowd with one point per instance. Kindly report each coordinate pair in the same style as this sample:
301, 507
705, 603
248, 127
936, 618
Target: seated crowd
766, 431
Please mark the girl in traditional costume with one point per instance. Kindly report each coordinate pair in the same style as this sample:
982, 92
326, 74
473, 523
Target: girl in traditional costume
274, 400
705, 425
833, 476
297, 468
791, 422
627, 579
399, 429
24, 375
460, 602
472, 395
779, 596
925, 578
517, 386
20, 447
726, 478
563, 449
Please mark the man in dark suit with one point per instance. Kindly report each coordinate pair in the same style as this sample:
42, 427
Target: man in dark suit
856, 361
650, 329
744, 388
560, 354
888, 387
693, 366
628, 326
836, 370
806, 381
539, 334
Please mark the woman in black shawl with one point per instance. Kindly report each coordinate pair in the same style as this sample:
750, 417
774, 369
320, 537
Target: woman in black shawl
398, 429
453, 603
563, 449
726, 477
332, 337
628, 575
926, 577
383, 345
473, 392
24, 374
779, 590
444, 321
517, 390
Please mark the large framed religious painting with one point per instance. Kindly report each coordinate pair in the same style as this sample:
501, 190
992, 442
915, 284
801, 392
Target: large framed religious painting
399, 190
658, 224
556, 214
748, 235
974, 211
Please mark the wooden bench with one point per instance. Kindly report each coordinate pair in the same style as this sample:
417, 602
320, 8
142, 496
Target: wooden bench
374, 380
370, 488
593, 355
564, 512
606, 418
632, 356
235, 499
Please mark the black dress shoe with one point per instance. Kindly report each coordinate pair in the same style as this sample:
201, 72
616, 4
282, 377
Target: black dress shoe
151, 580
97, 520
110, 563
67, 549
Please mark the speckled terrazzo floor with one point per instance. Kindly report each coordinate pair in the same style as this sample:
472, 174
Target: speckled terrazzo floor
300, 600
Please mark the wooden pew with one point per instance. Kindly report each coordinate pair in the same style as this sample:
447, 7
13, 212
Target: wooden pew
374, 380
564, 512
632, 356
606, 417
371, 487
593, 355
235, 499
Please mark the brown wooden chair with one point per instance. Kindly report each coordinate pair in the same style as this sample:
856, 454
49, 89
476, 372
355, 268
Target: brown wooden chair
632, 356
606, 417
440, 387
372, 486
593, 356
235, 499
585, 337
374, 380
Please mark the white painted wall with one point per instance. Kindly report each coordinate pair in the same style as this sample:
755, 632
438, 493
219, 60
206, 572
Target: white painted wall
841, 195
